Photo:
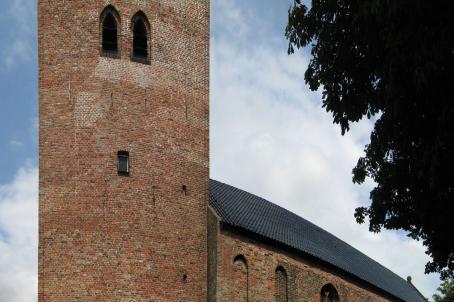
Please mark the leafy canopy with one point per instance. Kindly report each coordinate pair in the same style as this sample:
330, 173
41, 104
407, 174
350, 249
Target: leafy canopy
446, 292
392, 60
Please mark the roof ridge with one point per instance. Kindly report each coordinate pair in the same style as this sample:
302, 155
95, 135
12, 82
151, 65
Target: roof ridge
239, 208
312, 223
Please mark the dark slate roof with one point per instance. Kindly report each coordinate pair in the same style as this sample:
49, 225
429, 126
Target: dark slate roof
244, 210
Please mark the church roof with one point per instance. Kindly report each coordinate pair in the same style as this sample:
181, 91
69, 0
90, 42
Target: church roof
251, 213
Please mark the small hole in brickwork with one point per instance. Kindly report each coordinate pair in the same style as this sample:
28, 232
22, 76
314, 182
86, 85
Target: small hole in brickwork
185, 278
184, 190
186, 108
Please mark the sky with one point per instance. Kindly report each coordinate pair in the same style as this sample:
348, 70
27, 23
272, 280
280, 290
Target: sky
268, 135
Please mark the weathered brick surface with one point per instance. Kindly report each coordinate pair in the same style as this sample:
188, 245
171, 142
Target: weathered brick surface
105, 237
304, 277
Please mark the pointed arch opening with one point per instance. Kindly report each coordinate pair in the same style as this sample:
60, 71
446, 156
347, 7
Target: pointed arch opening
240, 279
281, 283
141, 38
329, 294
110, 26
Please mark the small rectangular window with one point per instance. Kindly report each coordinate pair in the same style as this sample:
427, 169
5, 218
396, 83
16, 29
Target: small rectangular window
123, 162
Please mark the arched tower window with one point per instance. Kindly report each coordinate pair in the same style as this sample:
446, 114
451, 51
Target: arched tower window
110, 31
240, 284
281, 285
140, 42
329, 294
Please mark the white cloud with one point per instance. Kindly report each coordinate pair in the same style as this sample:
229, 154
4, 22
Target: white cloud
15, 144
231, 16
21, 11
18, 20
270, 136
18, 50
19, 237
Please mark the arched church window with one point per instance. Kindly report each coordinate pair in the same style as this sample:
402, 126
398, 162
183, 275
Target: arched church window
240, 284
140, 43
329, 294
281, 285
110, 27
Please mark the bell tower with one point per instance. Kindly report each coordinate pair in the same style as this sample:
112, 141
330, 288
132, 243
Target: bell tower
123, 130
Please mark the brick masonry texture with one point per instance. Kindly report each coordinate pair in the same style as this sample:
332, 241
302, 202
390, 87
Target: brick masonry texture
105, 237
305, 279
142, 237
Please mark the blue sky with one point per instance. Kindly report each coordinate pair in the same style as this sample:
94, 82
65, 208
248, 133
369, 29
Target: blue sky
268, 135
19, 88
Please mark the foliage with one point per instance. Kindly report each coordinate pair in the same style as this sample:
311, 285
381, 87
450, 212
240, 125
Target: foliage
446, 292
392, 60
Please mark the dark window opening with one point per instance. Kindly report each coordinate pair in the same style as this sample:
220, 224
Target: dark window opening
123, 162
109, 34
110, 30
140, 40
329, 294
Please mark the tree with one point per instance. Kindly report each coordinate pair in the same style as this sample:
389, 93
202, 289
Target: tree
391, 60
446, 290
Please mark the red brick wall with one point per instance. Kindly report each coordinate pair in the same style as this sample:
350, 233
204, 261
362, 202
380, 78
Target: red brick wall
105, 237
304, 278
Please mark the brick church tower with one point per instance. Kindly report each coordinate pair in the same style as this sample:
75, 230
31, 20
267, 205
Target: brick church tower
124, 181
